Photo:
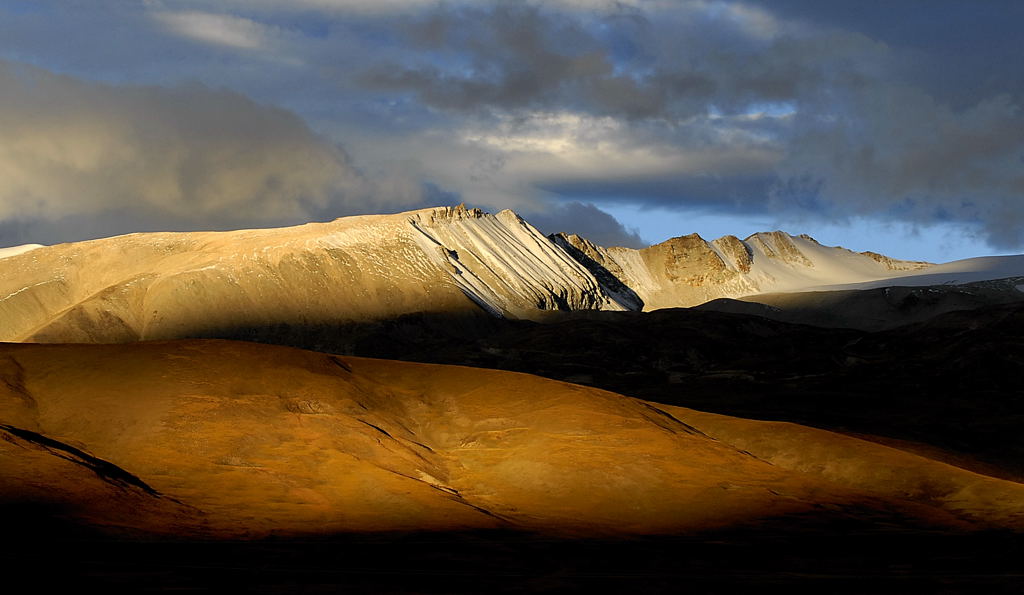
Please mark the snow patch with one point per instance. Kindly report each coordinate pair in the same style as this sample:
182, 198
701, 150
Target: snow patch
16, 250
24, 289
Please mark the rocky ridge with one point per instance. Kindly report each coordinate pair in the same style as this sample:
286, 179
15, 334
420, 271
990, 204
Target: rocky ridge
689, 270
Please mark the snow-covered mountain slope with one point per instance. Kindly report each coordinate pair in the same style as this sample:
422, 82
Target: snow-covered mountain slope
957, 272
354, 269
16, 250
688, 270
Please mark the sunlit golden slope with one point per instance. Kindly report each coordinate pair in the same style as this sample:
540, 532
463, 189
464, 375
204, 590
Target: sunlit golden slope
354, 269
223, 438
884, 471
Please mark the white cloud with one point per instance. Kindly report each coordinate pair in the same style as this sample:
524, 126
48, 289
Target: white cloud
753, 20
217, 29
566, 146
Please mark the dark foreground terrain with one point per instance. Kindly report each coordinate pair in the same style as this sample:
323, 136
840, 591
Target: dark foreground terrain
948, 388
794, 555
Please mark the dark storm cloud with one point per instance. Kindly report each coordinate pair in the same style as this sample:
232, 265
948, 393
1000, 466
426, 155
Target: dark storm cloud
875, 130
906, 156
625, 62
903, 110
516, 55
737, 194
957, 51
53, 227
588, 221
508, 56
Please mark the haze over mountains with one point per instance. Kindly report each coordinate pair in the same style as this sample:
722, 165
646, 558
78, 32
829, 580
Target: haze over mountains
371, 268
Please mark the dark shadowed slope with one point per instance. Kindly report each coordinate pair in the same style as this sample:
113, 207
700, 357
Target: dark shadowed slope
874, 309
952, 382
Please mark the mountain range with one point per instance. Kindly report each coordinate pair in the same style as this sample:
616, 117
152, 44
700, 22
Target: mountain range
443, 260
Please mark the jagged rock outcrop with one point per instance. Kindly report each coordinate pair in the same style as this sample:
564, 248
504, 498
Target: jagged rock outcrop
893, 264
688, 270
605, 270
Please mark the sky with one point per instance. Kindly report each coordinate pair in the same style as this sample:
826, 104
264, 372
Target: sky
894, 126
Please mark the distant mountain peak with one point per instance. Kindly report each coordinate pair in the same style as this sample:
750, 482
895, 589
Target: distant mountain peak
688, 270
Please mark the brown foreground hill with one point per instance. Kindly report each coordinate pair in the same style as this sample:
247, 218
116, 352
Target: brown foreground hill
948, 387
216, 438
219, 441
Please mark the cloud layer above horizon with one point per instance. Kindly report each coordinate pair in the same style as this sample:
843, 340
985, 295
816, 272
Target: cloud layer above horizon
199, 114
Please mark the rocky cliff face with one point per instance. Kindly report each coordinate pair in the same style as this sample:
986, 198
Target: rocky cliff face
688, 270
606, 270
505, 265
896, 265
